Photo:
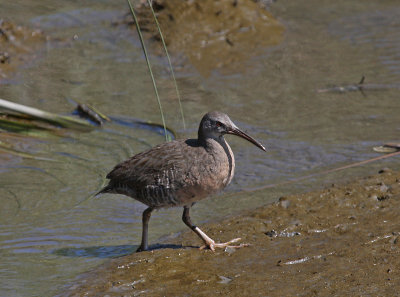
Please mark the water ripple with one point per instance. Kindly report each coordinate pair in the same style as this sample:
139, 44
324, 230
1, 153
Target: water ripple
378, 28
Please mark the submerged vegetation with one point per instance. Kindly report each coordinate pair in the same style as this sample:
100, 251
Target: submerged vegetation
18, 121
32, 113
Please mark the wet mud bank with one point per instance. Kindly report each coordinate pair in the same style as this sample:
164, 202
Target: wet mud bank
18, 45
343, 240
210, 35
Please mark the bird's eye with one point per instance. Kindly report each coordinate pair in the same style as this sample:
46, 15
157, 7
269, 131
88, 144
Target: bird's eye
219, 124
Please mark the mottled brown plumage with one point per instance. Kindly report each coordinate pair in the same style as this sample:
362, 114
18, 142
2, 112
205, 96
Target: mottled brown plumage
180, 172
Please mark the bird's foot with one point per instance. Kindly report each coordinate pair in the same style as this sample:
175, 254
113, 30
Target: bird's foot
210, 244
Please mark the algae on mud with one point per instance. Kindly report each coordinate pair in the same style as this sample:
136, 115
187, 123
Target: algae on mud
339, 241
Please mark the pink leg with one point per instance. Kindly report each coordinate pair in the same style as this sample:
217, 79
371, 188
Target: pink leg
208, 242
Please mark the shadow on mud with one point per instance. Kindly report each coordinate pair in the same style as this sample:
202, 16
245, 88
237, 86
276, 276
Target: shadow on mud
113, 251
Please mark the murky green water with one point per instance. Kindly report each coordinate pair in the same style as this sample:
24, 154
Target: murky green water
50, 232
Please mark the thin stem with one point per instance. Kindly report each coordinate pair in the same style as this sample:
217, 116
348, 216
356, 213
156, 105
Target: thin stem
169, 62
149, 67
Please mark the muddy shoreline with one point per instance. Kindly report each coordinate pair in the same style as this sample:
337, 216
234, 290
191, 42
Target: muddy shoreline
339, 241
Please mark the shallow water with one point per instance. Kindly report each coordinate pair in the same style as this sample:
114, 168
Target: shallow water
50, 232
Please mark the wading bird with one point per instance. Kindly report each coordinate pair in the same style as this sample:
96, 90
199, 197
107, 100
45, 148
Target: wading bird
180, 173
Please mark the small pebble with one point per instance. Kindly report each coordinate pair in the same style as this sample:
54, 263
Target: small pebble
384, 188
341, 228
374, 197
271, 233
383, 170
395, 240
284, 203
224, 279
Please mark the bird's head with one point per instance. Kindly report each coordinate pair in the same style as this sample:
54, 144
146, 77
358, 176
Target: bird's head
215, 124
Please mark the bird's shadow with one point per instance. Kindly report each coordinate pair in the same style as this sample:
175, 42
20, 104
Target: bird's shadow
113, 251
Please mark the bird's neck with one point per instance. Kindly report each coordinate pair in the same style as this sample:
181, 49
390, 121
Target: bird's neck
216, 146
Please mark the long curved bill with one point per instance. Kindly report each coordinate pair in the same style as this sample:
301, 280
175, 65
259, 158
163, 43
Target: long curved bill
240, 133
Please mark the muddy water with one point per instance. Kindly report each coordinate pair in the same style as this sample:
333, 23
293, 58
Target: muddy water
50, 232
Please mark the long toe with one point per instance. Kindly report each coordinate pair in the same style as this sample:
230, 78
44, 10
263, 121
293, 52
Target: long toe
212, 244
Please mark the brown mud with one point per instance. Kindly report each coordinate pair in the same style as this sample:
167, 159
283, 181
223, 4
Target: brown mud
340, 241
212, 35
18, 45
208, 35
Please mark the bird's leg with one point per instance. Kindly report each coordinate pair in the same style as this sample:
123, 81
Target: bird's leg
208, 242
145, 226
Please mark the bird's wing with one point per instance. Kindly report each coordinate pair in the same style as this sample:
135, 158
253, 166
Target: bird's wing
160, 165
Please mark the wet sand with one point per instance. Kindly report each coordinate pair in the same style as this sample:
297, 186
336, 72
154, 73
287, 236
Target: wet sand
339, 241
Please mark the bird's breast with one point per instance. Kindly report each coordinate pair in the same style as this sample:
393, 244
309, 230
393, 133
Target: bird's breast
209, 171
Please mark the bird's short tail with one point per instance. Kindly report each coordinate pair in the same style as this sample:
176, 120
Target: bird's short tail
106, 189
